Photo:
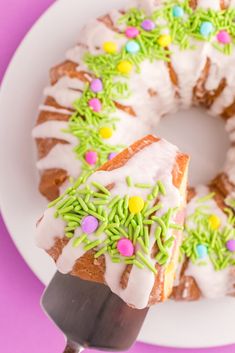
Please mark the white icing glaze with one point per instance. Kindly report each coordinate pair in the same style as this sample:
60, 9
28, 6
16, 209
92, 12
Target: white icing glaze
147, 5
231, 3
48, 229
154, 76
213, 284
54, 129
209, 4
91, 39
65, 91
49, 108
188, 65
128, 129
221, 69
61, 156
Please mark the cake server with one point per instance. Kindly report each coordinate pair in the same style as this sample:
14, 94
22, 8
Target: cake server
90, 315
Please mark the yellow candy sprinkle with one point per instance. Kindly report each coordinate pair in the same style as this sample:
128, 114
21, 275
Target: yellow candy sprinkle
170, 267
124, 67
136, 204
106, 132
214, 221
110, 47
164, 40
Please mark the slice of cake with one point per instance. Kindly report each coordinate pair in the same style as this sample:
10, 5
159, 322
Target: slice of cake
122, 225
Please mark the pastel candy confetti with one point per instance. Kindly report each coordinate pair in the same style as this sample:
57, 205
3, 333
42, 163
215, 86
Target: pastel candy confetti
214, 221
96, 85
95, 104
125, 247
206, 28
164, 40
148, 25
89, 224
106, 132
202, 251
132, 32
223, 37
136, 204
230, 245
112, 155
91, 157
177, 11
110, 47
124, 67
132, 47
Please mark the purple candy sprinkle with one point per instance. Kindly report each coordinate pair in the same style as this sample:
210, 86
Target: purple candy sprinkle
89, 224
96, 85
224, 37
112, 155
231, 245
148, 25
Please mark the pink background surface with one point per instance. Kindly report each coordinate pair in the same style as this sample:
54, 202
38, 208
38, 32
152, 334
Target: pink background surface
23, 326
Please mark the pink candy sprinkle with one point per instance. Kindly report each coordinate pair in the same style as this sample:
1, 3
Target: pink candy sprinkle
91, 157
125, 247
132, 32
223, 37
95, 104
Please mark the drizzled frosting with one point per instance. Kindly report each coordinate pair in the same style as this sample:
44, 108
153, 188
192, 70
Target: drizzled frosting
153, 92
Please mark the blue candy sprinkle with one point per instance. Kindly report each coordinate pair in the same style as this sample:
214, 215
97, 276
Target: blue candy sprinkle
201, 251
206, 28
132, 47
177, 11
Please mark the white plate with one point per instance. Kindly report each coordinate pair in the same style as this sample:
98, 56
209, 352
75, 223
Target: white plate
200, 324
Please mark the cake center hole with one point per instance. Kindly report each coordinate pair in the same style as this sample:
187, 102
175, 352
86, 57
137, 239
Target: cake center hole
201, 136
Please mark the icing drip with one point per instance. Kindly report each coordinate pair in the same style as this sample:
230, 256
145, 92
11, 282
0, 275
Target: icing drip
188, 66
211, 283
65, 91
54, 129
49, 229
61, 157
49, 108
